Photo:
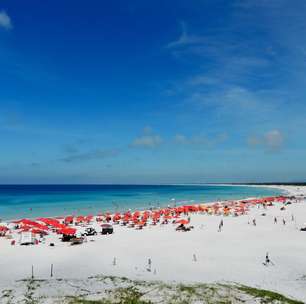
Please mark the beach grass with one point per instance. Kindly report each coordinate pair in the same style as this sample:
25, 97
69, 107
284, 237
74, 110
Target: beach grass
157, 292
115, 290
267, 296
128, 295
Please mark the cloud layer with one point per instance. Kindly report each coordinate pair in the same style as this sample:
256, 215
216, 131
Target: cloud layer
5, 20
90, 155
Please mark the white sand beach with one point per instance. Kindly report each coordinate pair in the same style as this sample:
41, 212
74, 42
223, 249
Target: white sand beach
236, 254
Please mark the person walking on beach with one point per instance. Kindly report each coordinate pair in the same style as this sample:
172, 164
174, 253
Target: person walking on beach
268, 261
284, 222
275, 220
149, 265
220, 226
254, 222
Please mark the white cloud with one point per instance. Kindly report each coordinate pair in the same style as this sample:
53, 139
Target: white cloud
274, 139
186, 39
197, 140
148, 139
238, 103
181, 139
200, 140
231, 98
254, 141
271, 140
5, 20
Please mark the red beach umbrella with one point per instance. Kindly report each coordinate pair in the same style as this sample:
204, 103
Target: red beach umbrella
184, 222
117, 217
40, 226
80, 218
52, 222
136, 213
67, 231
27, 222
38, 231
68, 219
89, 218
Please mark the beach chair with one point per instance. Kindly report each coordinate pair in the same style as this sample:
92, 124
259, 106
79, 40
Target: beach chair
76, 241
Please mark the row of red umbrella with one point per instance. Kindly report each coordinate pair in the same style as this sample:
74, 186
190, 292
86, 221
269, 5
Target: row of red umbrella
137, 217
48, 223
141, 218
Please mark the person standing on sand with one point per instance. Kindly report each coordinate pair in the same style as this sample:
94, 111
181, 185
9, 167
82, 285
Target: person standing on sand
275, 220
284, 222
254, 222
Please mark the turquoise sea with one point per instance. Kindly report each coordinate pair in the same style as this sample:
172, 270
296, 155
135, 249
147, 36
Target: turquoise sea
19, 201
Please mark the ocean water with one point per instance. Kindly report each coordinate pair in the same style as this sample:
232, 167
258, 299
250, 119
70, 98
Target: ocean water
19, 201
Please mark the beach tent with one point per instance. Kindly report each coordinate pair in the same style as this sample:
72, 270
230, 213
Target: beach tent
107, 229
27, 238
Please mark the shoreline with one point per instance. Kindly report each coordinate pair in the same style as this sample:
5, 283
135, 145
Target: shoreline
161, 205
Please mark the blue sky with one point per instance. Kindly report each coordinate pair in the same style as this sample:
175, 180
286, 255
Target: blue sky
152, 91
